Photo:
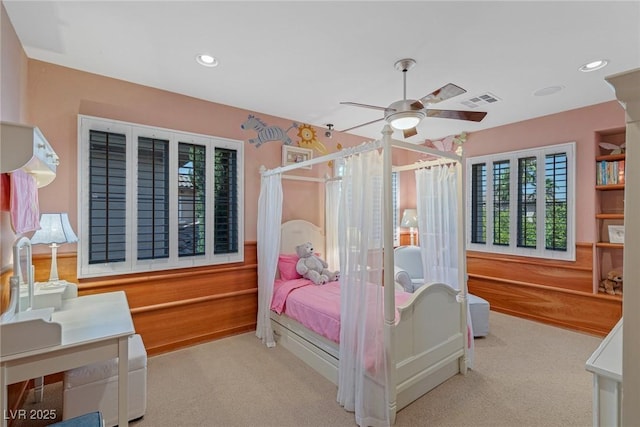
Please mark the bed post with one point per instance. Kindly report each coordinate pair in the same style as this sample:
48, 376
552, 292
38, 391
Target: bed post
462, 265
388, 279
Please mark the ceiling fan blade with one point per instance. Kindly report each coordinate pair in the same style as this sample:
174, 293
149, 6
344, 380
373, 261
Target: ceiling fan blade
410, 132
355, 104
445, 92
363, 124
472, 116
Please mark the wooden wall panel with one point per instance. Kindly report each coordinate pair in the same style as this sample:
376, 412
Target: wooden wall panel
594, 314
4, 290
575, 275
554, 292
405, 238
165, 329
177, 308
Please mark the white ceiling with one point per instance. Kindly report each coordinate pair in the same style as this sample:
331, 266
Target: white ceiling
299, 59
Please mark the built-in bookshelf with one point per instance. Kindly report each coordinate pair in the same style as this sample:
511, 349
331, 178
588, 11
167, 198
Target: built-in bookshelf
609, 186
610, 169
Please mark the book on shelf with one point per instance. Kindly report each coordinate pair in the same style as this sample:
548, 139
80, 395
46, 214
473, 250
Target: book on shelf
610, 172
620, 171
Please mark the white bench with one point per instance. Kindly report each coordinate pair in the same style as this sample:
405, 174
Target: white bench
95, 387
479, 309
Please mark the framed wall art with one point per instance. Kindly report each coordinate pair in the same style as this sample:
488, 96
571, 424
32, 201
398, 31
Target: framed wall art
616, 233
292, 154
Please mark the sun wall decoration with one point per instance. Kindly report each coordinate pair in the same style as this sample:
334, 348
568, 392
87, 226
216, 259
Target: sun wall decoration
308, 139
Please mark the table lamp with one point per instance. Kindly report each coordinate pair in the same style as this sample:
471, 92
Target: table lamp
410, 220
54, 231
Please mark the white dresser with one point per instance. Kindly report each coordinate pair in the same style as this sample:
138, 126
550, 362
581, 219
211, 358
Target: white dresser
606, 365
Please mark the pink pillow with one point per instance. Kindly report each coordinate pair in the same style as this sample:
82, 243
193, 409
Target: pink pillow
287, 266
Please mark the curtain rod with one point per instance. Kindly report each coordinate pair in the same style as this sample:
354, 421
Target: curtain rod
305, 178
427, 150
424, 164
302, 178
367, 146
362, 148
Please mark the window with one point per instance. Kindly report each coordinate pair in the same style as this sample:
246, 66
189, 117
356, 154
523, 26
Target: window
191, 199
157, 199
339, 170
522, 202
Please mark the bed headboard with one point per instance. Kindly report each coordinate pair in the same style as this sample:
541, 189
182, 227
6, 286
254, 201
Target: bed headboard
298, 231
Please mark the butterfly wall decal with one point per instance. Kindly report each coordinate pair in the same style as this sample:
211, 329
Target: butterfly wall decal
615, 149
448, 144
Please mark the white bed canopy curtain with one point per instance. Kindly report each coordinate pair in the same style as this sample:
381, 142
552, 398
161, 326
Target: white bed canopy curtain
439, 225
363, 369
332, 203
437, 221
269, 219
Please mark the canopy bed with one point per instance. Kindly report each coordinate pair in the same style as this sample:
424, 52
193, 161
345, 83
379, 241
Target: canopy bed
389, 347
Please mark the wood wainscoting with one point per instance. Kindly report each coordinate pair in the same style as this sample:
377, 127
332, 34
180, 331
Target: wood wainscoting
405, 238
559, 293
177, 308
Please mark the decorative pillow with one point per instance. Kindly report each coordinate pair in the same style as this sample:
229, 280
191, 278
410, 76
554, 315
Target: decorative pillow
287, 266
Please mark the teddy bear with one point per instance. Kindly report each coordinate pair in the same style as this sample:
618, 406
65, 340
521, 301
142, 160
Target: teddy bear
612, 285
312, 267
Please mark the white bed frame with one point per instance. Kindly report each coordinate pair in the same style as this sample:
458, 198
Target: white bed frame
428, 344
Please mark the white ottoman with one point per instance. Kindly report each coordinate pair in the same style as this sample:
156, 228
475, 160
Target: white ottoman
95, 387
479, 309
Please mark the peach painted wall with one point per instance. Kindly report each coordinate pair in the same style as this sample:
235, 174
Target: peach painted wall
13, 107
579, 125
57, 95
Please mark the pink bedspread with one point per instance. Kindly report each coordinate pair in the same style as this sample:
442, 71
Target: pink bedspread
316, 307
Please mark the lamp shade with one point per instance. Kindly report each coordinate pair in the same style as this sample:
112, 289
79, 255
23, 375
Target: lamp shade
54, 228
409, 218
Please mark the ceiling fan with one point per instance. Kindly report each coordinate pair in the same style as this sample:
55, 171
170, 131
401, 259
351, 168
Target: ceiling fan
406, 114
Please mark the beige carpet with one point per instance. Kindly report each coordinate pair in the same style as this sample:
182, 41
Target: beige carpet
526, 374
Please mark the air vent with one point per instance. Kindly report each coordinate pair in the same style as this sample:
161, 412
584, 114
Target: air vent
480, 100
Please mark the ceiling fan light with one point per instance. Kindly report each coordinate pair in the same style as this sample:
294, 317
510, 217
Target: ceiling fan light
406, 120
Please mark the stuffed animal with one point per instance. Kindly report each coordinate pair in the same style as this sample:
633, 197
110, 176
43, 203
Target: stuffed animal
311, 267
612, 285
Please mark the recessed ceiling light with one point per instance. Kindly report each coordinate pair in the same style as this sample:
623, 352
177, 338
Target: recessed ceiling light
206, 60
594, 65
548, 90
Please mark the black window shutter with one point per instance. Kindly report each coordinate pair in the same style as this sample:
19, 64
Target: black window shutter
479, 203
107, 197
225, 240
153, 198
